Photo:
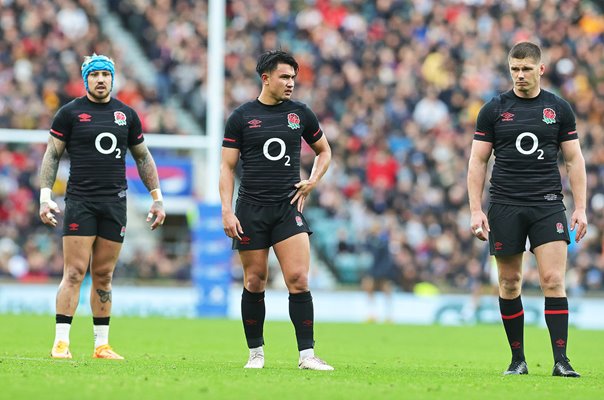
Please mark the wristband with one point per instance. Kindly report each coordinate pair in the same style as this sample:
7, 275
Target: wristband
156, 195
45, 195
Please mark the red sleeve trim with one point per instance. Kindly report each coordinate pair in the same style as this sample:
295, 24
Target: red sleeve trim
230, 140
56, 132
572, 132
480, 133
317, 132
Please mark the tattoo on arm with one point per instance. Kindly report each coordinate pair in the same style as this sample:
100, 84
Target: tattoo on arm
104, 295
146, 167
50, 164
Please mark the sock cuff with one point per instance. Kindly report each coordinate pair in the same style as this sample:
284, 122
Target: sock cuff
511, 307
303, 297
556, 303
251, 297
63, 319
100, 320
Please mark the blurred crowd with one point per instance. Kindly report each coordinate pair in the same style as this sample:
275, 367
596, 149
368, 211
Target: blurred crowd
396, 84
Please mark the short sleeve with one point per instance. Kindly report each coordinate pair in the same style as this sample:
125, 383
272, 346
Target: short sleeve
312, 130
233, 130
61, 125
135, 130
568, 126
485, 124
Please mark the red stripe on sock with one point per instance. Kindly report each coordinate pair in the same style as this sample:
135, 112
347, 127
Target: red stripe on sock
518, 314
550, 312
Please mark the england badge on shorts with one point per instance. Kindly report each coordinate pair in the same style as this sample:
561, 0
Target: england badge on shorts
299, 221
559, 227
120, 118
123, 231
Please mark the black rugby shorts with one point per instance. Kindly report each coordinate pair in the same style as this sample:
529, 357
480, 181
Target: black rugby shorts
263, 226
87, 218
512, 225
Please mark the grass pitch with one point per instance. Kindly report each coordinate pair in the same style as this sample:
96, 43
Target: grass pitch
203, 359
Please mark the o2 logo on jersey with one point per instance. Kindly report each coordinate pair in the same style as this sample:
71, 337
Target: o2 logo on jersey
280, 155
102, 147
119, 118
534, 147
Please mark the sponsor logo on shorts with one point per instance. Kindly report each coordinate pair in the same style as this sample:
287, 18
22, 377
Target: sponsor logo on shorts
299, 221
559, 227
498, 246
245, 240
120, 118
74, 227
123, 231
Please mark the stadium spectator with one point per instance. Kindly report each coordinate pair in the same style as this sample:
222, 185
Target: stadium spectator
370, 72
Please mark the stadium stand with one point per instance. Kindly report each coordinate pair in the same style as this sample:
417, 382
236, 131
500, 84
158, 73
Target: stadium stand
396, 84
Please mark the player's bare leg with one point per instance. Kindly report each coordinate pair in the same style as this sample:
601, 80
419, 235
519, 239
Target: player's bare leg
253, 310
551, 260
76, 254
104, 259
512, 312
294, 257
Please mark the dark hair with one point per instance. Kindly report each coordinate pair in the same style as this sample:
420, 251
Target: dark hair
525, 50
267, 62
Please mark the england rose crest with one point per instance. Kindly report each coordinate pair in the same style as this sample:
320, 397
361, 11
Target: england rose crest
120, 118
293, 121
299, 220
549, 116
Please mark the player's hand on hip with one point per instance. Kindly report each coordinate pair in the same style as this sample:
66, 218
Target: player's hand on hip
304, 188
578, 221
157, 211
232, 226
48, 209
480, 225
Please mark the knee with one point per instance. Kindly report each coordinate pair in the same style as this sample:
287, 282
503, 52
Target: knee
510, 285
255, 282
552, 282
297, 282
102, 277
74, 275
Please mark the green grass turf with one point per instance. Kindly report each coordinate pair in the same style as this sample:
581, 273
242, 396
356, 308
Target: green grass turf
202, 359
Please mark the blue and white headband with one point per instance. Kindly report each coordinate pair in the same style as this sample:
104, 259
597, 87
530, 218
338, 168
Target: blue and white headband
97, 63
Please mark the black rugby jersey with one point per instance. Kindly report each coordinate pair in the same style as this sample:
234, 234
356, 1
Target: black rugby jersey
97, 136
526, 136
268, 138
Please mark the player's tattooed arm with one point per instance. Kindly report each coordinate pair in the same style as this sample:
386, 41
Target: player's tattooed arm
50, 162
145, 165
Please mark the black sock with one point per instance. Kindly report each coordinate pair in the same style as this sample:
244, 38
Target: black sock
100, 320
63, 319
556, 318
301, 313
512, 315
253, 311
